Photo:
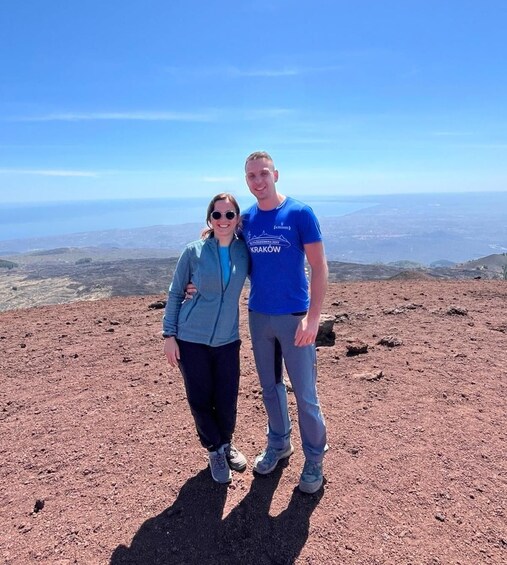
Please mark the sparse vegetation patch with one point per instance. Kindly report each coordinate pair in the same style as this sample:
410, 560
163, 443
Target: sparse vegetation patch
4, 264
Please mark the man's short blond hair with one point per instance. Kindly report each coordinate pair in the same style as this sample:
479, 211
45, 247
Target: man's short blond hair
259, 155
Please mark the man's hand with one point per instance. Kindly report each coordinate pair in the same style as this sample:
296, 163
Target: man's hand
308, 328
172, 351
190, 290
306, 334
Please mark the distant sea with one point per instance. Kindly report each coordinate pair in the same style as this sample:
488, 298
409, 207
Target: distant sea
20, 221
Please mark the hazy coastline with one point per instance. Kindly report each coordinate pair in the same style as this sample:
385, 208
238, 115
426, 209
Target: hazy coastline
42, 219
423, 228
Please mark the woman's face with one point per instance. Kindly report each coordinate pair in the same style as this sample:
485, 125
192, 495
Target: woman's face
224, 227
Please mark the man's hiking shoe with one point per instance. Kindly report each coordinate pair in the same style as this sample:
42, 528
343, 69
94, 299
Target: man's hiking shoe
268, 459
311, 477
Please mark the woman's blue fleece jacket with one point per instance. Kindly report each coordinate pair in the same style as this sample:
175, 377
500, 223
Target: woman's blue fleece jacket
211, 317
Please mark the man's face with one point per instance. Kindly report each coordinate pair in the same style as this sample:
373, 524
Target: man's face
261, 177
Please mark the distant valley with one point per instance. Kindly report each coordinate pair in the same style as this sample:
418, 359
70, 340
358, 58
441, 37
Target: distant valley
63, 275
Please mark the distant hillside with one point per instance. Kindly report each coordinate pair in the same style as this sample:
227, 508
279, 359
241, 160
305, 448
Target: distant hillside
70, 255
494, 263
421, 228
65, 275
424, 229
168, 239
7, 264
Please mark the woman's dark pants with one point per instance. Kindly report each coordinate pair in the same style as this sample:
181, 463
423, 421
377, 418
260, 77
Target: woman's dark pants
211, 376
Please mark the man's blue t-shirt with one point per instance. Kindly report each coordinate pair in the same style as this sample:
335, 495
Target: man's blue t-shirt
275, 240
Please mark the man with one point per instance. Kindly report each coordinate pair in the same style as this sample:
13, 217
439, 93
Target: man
284, 319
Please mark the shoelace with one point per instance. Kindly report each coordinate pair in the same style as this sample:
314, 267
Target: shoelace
311, 468
270, 455
220, 460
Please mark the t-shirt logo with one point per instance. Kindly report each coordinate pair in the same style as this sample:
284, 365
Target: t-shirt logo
282, 227
266, 243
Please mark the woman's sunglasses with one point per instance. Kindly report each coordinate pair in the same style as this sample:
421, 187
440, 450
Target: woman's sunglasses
230, 215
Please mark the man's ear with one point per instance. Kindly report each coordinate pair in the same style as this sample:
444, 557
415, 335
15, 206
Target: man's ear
275, 175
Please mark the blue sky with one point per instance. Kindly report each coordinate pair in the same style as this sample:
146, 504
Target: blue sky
159, 98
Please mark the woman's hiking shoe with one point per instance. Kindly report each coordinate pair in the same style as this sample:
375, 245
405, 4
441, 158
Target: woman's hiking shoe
219, 467
311, 477
235, 459
268, 459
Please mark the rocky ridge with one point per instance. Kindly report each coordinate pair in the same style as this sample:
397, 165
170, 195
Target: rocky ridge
64, 275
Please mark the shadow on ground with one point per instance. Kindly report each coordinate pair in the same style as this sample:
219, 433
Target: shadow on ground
192, 529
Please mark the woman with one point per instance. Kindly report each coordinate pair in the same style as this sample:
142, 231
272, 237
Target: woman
202, 333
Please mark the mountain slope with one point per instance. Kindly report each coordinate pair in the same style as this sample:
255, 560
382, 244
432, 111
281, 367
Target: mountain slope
96, 428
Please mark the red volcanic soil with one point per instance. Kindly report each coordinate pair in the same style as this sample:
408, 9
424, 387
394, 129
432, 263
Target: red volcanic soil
100, 462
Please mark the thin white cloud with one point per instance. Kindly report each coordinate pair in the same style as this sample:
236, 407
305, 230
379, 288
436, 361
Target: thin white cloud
282, 72
303, 141
38, 146
452, 133
49, 172
481, 145
120, 116
212, 115
266, 72
256, 114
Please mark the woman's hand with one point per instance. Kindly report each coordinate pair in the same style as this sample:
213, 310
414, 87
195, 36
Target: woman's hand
172, 351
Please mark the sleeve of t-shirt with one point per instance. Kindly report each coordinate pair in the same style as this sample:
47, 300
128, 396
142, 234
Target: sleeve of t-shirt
309, 226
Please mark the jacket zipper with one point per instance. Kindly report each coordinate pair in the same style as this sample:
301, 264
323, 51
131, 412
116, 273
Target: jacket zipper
221, 275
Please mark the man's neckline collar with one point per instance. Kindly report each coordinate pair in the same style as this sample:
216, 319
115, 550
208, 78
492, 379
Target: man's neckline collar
276, 207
